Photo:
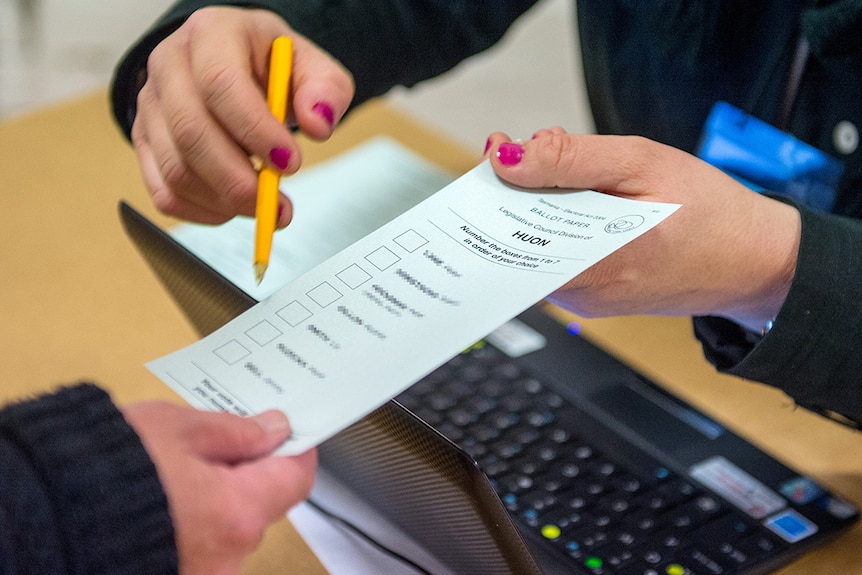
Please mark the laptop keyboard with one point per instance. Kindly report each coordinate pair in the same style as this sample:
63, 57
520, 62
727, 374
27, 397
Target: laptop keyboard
563, 491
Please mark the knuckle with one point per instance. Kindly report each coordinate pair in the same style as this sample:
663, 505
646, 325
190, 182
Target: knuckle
227, 521
248, 127
164, 201
241, 529
238, 190
188, 133
175, 173
139, 136
217, 82
558, 152
156, 57
145, 100
199, 20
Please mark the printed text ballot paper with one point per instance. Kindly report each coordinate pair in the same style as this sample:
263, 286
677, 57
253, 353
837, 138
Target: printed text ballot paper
342, 339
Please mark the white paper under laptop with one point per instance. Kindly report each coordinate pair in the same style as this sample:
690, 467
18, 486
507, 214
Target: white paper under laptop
356, 330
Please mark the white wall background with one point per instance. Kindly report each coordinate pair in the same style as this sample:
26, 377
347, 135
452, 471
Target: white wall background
53, 49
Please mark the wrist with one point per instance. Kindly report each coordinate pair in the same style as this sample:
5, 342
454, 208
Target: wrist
775, 249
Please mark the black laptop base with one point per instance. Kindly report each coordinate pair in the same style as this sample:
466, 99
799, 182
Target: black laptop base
597, 465
567, 449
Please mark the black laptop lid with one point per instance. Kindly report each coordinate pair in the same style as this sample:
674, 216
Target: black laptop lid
414, 476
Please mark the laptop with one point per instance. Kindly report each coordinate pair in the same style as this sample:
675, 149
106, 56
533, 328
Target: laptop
537, 452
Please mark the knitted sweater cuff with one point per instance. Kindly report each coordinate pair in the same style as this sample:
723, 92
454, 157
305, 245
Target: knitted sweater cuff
111, 511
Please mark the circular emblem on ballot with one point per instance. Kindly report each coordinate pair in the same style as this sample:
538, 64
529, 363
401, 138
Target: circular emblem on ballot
624, 224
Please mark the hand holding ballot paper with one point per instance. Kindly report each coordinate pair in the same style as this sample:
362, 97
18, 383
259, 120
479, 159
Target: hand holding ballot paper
351, 333
727, 253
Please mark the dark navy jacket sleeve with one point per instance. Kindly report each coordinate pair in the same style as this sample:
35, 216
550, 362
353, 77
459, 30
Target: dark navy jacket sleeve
383, 43
814, 350
657, 74
78, 492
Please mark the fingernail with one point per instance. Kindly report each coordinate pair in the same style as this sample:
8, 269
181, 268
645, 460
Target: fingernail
280, 158
510, 154
273, 422
325, 111
487, 146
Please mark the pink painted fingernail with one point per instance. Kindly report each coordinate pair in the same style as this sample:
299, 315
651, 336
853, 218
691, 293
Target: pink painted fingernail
280, 158
325, 111
510, 153
487, 146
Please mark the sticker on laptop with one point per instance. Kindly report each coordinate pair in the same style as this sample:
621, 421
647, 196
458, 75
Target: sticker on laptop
801, 490
790, 526
737, 486
515, 338
838, 507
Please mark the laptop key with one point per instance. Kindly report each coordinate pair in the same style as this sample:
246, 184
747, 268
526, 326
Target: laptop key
670, 567
705, 562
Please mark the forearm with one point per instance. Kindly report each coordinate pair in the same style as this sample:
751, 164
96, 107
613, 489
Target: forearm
78, 493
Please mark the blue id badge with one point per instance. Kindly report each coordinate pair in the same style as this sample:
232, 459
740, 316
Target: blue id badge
766, 159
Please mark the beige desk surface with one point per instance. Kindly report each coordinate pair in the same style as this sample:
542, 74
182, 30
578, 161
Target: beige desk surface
77, 302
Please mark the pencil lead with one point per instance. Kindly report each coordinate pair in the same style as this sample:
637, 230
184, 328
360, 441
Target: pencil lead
259, 270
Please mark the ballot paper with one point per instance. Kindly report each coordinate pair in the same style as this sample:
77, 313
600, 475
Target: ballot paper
354, 331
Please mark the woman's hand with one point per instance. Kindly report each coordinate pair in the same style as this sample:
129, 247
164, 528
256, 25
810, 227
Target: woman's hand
202, 113
223, 486
727, 251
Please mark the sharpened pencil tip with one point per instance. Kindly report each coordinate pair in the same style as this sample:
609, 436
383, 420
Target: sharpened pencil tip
259, 270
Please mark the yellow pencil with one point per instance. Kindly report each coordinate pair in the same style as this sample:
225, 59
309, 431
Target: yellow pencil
266, 210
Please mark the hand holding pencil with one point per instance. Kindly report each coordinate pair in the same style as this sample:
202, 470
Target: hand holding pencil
202, 113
